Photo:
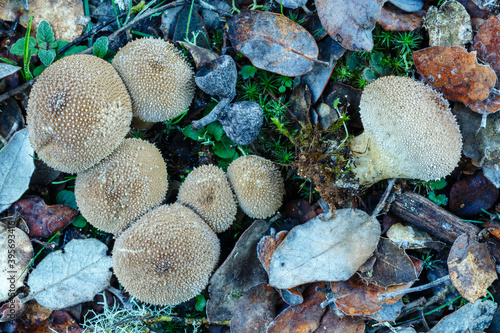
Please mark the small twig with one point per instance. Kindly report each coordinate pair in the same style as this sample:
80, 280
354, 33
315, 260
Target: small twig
16, 90
148, 320
382, 201
215, 114
432, 284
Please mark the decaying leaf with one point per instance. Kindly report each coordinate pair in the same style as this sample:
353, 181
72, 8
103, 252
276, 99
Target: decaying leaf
472, 317
331, 323
239, 272
59, 321
352, 21
201, 55
471, 266
15, 255
44, 220
7, 69
392, 266
12, 309
395, 20
408, 237
273, 42
16, 168
455, 72
389, 312
325, 248
255, 309
302, 318
74, 276
489, 105
190, 26
36, 313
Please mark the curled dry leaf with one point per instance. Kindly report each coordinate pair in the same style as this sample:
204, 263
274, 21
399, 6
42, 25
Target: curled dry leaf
331, 323
325, 248
471, 266
255, 309
395, 20
455, 72
201, 55
44, 220
408, 237
59, 321
352, 21
16, 252
304, 317
227, 284
273, 42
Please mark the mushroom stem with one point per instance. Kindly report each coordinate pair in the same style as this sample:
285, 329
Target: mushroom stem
215, 114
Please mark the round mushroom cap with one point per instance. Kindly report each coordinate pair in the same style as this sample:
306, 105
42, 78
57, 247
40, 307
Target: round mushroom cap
258, 185
206, 190
409, 132
167, 256
125, 185
158, 78
78, 112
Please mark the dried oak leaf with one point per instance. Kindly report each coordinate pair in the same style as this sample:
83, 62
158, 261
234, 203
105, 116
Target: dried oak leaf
396, 20
44, 220
455, 72
273, 42
353, 21
255, 309
471, 266
302, 318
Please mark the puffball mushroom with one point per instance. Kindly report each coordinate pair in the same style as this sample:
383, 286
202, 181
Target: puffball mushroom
206, 190
258, 185
158, 78
167, 256
78, 112
125, 185
409, 132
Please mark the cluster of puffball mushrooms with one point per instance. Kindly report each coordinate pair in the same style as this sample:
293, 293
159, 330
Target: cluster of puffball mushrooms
79, 112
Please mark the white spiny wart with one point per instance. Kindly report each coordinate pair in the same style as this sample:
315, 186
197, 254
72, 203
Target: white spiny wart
78, 112
167, 256
258, 185
125, 185
158, 78
206, 190
409, 132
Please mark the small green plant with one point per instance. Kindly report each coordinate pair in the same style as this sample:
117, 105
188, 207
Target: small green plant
429, 261
435, 185
406, 41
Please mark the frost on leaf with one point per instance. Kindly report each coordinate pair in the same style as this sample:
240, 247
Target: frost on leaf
324, 249
71, 277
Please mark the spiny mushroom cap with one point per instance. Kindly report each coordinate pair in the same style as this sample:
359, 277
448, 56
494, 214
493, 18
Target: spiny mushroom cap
409, 132
166, 257
206, 190
78, 112
126, 184
258, 185
158, 78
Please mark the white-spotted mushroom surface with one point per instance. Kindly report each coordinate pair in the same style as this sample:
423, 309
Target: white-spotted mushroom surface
206, 190
167, 256
409, 132
125, 185
258, 185
158, 77
78, 112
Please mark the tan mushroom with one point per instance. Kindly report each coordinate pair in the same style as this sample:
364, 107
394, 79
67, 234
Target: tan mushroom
78, 112
167, 256
158, 78
409, 132
258, 185
206, 190
125, 185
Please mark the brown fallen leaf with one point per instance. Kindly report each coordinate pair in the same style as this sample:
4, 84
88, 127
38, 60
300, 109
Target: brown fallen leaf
189, 20
356, 297
273, 42
493, 226
471, 266
489, 105
239, 272
303, 318
455, 72
12, 309
37, 313
59, 321
352, 21
201, 55
255, 310
44, 220
392, 267
331, 323
396, 20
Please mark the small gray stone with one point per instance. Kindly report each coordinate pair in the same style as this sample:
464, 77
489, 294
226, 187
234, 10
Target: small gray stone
450, 25
242, 121
408, 5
